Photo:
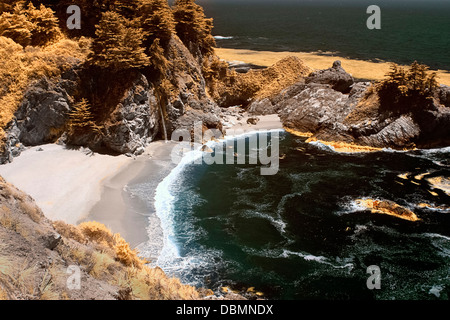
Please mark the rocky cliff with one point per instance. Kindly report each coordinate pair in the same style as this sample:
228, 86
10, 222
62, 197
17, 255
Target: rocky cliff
329, 105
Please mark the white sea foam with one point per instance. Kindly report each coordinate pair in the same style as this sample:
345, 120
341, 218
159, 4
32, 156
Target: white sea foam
223, 37
169, 257
436, 235
278, 222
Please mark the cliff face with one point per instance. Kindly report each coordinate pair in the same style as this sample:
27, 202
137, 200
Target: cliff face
141, 111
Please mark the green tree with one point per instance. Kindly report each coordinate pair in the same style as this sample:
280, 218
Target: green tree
193, 28
118, 43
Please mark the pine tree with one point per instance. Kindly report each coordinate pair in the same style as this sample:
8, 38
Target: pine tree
193, 28
27, 25
81, 116
45, 23
410, 90
158, 60
157, 20
8, 5
16, 27
118, 43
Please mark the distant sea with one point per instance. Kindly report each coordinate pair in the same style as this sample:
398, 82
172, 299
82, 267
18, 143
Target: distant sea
410, 30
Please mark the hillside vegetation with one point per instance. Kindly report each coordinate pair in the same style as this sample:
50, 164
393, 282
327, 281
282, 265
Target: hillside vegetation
116, 39
36, 254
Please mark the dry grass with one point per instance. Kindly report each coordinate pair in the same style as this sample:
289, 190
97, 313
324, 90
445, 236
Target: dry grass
242, 88
31, 210
3, 294
101, 263
125, 254
124, 268
69, 231
7, 220
97, 232
20, 275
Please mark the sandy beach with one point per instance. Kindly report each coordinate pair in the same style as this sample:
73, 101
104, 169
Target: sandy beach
357, 68
65, 183
77, 185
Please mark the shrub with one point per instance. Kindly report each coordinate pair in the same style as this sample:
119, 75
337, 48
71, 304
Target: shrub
30, 26
69, 231
16, 27
157, 20
97, 232
81, 118
125, 254
407, 90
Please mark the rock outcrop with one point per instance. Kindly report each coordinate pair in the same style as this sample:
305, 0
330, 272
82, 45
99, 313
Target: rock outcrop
330, 106
135, 121
336, 77
41, 116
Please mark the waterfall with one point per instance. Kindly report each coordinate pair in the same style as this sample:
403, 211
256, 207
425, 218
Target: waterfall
163, 122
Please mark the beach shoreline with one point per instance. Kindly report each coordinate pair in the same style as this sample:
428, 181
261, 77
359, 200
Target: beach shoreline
77, 185
359, 69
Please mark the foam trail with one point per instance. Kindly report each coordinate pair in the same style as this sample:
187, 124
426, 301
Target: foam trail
223, 37
164, 199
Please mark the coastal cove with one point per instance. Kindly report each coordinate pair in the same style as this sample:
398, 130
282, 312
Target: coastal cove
240, 240
232, 228
244, 150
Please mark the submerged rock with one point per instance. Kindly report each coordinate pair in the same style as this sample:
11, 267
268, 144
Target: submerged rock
389, 208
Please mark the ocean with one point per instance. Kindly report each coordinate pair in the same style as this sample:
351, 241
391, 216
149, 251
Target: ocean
410, 30
301, 234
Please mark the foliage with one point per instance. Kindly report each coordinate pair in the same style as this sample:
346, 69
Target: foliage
22, 66
193, 28
29, 25
125, 254
16, 27
158, 59
81, 118
118, 44
45, 25
411, 89
157, 20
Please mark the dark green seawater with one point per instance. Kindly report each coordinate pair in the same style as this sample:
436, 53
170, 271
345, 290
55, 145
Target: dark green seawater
299, 234
410, 30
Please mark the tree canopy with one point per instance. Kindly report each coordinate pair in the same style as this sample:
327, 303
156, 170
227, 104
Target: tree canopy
118, 43
408, 89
